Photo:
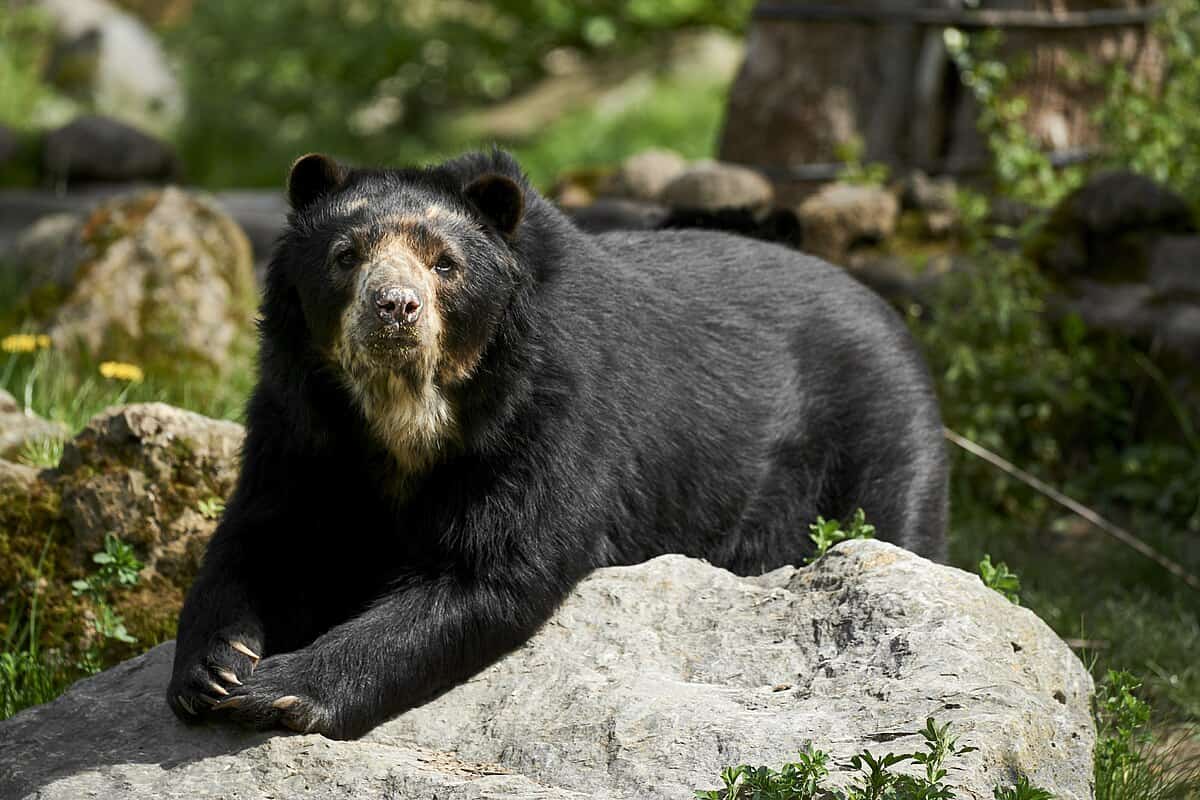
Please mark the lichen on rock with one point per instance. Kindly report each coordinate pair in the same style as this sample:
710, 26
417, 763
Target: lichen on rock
161, 278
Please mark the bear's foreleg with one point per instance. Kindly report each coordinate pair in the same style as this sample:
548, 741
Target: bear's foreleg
221, 634
430, 633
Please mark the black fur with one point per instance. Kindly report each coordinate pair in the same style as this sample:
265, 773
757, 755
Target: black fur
639, 393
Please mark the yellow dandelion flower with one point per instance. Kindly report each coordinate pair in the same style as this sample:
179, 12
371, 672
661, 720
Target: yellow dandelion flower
24, 343
120, 371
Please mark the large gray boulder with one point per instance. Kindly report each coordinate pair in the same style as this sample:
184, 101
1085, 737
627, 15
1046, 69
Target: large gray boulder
97, 148
648, 681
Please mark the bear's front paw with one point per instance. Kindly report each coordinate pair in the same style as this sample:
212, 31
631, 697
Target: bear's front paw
279, 695
202, 680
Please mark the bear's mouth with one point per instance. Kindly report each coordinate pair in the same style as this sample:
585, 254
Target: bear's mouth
392, 342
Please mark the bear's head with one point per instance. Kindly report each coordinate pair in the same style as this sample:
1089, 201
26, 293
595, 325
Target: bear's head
402, 277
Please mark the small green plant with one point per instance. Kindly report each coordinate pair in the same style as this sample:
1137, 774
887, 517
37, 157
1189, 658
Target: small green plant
999, 578
1022, 790
211, 508
877, 781
1130, 764
117, 568
43, 453
800, 779
826, 533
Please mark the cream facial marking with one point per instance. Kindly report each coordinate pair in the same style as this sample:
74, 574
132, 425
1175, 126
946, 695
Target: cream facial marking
396, 383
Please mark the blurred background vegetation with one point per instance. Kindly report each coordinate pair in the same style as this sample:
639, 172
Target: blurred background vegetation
578, 86
386, 82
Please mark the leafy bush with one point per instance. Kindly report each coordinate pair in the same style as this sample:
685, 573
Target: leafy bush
1085, 413
1129, 765
1022, 171
1154, 129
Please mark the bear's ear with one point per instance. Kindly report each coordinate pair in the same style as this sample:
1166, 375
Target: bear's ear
500, 200
312, 176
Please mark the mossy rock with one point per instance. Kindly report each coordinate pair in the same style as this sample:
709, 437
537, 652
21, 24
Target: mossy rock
150, 474
35, 557
161, 278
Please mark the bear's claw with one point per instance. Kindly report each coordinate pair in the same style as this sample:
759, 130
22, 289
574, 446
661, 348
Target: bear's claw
227, 675
247, 652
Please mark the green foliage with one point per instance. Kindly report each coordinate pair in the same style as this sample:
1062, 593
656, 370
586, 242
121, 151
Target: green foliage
28, 676
1154, 129
378, 81
211, 508
683, 113
854, 170
826, 533
877, 781
117, 568
1077, 410
43, 453
27, 679
998, 577
1129, 764
1022, 171
876, 777
798, 780
71, 390
25, 36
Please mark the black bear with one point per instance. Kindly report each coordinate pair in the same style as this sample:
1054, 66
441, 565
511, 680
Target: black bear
465, 405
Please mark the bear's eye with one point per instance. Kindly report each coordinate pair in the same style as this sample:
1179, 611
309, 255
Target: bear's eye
345, 256
444, 264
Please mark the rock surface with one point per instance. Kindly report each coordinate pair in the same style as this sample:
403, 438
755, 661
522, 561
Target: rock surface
712, 186
643, 176
94, 148
145, 472
160, 278
646, 683
1106, 228
841, 215
1125, 257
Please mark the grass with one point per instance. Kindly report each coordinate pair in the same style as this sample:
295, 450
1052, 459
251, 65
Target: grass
684, 112
71, 390
1082, 413
28, 676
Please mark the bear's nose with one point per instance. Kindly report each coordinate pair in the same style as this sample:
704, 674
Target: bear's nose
398, 305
